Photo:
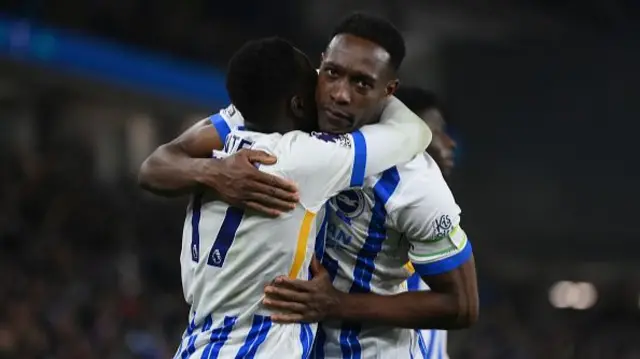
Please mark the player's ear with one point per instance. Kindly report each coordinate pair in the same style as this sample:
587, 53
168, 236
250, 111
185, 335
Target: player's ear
296, 104
392, 87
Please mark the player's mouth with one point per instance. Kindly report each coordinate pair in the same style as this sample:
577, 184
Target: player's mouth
339, 119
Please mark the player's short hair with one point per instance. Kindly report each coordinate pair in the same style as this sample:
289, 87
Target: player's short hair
376, 30
417, 99
262, 73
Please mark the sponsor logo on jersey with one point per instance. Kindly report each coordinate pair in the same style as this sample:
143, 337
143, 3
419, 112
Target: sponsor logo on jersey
336, 236
349, 203
342, 140
443, 225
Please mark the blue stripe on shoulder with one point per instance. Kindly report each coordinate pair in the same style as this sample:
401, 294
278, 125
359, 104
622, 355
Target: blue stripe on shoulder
447, 264
360, 159
221, 126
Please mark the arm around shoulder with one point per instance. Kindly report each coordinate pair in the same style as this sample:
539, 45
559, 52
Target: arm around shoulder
174, 168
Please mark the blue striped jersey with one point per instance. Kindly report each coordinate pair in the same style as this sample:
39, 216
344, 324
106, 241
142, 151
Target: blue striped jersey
228, 254
405, 214
434, 341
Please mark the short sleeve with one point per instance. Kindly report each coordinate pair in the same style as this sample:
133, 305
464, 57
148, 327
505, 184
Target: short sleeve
427, 215
324, 164
321, 164
226, 120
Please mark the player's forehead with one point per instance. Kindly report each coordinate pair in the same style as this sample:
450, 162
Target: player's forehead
356, 55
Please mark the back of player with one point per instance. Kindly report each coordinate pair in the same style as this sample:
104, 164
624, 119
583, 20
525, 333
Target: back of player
229, 255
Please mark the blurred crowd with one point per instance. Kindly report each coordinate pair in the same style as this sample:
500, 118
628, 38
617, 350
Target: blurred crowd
86, 271
91, 271
200, 30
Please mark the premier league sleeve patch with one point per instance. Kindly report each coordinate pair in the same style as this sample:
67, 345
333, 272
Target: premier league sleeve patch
343, 140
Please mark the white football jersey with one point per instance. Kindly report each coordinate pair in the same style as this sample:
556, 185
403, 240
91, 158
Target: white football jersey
435, 341
406, 214
229, 255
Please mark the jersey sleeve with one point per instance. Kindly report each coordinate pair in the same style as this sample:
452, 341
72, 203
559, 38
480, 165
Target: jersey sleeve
324, 164
226, 120
399, 136
429, 219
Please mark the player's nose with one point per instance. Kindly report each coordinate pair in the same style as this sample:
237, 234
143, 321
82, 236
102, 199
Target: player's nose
341, 93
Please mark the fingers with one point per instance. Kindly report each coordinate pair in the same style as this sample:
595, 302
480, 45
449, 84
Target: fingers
270, 202
283, 306
300, 286
260, 187
262, 209
279, 183
287, 318
259, 157
285, 294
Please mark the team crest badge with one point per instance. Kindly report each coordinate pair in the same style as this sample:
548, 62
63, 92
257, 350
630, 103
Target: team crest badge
350, 203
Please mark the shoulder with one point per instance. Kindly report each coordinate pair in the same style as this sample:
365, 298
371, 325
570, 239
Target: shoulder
420, 186
317, 139
231, 116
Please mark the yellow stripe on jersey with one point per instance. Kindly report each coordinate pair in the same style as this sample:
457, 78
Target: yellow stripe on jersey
301, 246
409, 267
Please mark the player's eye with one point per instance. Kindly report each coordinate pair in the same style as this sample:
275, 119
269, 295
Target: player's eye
363, 85
331, 72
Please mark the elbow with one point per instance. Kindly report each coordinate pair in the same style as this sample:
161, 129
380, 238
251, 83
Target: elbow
467, 319
467, 312
151, 165
148, 172
144, 179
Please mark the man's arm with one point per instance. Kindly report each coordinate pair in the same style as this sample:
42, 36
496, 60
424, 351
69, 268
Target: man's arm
324, 164
175, 168
452, 302
427, 215
178, 167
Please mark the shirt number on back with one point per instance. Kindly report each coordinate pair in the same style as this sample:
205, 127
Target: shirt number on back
224, 239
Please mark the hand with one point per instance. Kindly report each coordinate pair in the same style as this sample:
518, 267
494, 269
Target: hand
301, 300
239, 183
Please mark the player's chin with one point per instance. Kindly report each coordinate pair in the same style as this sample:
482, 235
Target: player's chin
335, 126
333, 129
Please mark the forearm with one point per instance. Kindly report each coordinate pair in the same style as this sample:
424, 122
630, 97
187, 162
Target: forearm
168, 172
415, 310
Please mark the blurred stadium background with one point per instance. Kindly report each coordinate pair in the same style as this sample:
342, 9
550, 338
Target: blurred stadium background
542, 95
